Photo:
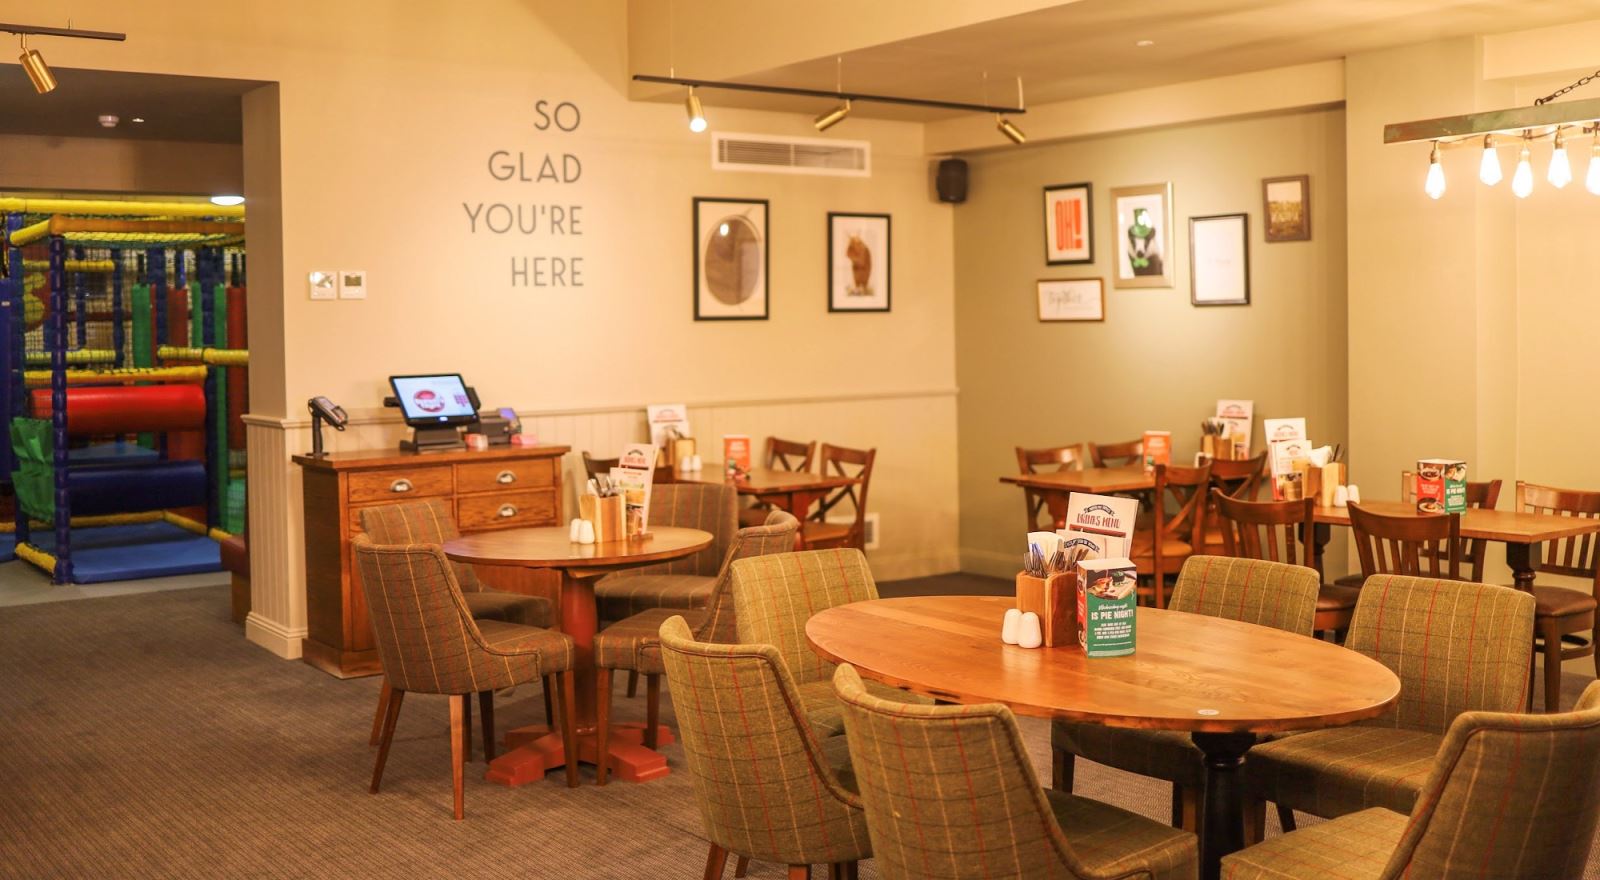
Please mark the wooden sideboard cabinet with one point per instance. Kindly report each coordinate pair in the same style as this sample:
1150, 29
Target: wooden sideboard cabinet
499, 488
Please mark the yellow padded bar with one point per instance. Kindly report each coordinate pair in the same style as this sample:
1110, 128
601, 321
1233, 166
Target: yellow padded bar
226, 357
112, 208
39, 378
30, 553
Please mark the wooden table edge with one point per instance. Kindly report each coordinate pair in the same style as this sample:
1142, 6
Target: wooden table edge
605, 562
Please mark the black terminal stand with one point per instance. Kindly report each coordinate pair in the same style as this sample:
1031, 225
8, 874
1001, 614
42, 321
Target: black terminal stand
444, 438
323, 411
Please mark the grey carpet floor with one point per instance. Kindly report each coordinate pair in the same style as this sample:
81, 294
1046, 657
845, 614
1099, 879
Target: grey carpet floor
141, 736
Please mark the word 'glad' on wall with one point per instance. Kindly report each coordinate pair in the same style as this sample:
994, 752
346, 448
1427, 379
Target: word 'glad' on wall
550, 220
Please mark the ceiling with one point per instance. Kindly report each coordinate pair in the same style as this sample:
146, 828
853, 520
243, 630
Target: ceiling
175, 108
1090, 47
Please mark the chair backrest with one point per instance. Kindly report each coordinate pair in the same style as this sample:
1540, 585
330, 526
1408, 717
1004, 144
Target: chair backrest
593, 467
1483, 495
1279, 531
711, 507
1510, 795
421, 625
1187, 488
790, 455
1239, 478
774, 596
426, 521
756, 765
1255, 591
1408, 544
1035, 461
776, 535
1577, 557
1117, 454
949, 791
840, 461
1456, 646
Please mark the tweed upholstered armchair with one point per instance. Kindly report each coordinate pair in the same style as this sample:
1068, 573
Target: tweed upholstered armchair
774, 596
682, 583
1254, 591
430, 521
1508, 796
950, 793
768, 788
634, 644
429, 643
1456, 646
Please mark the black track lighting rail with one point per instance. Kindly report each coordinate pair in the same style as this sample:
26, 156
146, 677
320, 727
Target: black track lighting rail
34, 30
823, 93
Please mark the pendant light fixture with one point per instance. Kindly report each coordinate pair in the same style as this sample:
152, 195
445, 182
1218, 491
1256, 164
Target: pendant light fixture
1560, 173
1489, 165
697, 117
44, 81
1522, 178
832, 117
38, 72
1434, 185
1011, 132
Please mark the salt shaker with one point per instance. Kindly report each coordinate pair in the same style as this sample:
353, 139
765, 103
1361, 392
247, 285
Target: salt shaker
585, 532
1008, 629
1031, 633
1353, 494
1341, 496
575, 530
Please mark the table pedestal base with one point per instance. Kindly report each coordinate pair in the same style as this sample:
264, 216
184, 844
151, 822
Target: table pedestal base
536, 750
1222, 814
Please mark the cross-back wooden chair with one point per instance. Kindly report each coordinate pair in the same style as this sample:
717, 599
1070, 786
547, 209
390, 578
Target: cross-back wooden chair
1237, 479
1173, 537
1117, 454
1284, 531
1560, 614
840, 461
593, 467
1042, 461
1409, 545
781, 455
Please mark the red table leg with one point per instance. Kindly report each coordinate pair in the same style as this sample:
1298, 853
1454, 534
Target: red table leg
536, 750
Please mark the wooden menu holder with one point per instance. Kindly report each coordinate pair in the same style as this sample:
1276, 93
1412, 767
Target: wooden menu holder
608, 515
1055, 600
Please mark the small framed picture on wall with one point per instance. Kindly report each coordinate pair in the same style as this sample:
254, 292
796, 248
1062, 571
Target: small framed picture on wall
1072, 299
1286, 203
1144, 235
858, 262
1068, 224
730, 259
1219, 260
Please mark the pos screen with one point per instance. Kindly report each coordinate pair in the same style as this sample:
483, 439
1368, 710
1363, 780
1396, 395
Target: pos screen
433, 400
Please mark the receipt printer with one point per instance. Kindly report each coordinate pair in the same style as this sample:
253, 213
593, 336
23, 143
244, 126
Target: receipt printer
499, 425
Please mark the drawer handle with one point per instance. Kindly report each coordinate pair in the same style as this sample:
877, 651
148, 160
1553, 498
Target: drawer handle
505, 477
507, 511
400, 486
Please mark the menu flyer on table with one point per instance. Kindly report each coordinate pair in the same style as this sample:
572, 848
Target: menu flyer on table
668, 422
1157, 449
1107, 518
1287, 450
1108, 598
634, 475
736, 455
1240, 418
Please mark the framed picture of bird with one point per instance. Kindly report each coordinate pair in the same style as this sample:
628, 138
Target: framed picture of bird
1144, 235
858, 262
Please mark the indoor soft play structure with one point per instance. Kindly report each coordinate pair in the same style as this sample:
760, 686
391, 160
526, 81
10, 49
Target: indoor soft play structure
125, 399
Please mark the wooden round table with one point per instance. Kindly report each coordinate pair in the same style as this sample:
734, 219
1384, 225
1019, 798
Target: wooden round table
1221, 680
535, 750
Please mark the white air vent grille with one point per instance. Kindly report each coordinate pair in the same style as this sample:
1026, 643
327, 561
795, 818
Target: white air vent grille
755, 152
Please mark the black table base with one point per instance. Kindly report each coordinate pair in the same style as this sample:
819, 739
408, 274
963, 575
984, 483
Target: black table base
1222, 813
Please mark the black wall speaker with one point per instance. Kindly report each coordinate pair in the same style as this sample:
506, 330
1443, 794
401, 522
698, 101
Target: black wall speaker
952, 180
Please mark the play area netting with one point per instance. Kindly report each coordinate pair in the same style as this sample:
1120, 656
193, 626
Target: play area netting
126, 359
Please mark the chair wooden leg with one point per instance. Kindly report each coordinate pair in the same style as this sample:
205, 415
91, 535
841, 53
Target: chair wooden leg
486, 714
377, 717
1062, 763
569, 725
1533, 675
652, 709
852, 871
1177, 805
633, 683
1552, 670
716, 859
391, 714
466, 725
741, 867
602, 713
1285, 818
1255, 821
550, 701
1186, 808
799, 872
458, 750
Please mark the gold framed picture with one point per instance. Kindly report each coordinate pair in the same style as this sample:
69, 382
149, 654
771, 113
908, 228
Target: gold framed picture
1144, 235
1286, 203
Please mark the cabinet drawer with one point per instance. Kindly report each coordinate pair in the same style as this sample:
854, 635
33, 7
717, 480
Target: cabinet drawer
506, 509
502, 476
400, 484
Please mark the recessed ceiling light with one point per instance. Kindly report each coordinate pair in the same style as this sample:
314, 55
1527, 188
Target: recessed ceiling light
1145, 43
227, 201
137, 119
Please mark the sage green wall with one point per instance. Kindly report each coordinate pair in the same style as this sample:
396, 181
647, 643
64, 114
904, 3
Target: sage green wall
1157, 362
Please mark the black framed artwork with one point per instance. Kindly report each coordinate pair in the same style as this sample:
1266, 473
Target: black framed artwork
1068, 224
732, 254
1219, 260
858, 262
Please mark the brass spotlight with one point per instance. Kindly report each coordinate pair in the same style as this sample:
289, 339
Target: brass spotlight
832, 117
697, 118
1011, 132
38, 71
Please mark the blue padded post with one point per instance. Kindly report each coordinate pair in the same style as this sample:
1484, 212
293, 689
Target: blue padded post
57, 336
119, 329
205, 267
16, 343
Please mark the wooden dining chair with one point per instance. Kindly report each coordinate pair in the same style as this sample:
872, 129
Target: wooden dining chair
1284, 531
1474, 551
1411, 545
1040, 461
1117, 454
781, 455
594, 467
1173, 536
1562, 615
840, 461
1239, 478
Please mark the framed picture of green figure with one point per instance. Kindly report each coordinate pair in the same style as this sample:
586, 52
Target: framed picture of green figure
1144, 235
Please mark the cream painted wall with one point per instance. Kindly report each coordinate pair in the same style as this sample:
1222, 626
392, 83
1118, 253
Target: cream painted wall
386, 115
30, 162
1162, 362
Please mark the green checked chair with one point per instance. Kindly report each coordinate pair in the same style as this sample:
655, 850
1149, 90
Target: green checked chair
634, 645
1456, 646
1254, 591
950, 794
767, 786
428, 642
775, 595
682, 583
1508, 796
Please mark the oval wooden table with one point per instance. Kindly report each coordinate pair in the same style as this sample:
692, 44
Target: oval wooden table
1221, 680
536, 750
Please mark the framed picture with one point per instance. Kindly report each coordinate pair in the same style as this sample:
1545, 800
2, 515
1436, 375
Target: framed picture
1072, 299
1144, 235
858, 262
1068, 224
1287, 207
1219, 260
730, 259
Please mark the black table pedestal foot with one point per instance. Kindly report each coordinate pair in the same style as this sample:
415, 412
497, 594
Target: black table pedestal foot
1222, 822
